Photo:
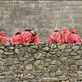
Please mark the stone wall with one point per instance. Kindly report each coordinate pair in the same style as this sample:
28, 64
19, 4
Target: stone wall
41, 14
40, 62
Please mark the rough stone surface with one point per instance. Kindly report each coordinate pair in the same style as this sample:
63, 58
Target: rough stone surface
52, 64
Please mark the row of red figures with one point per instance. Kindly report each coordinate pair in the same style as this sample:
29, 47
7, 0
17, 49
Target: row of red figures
30, 36
27, 36
64, 36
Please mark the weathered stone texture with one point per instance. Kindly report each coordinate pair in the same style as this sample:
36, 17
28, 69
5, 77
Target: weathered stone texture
40, 62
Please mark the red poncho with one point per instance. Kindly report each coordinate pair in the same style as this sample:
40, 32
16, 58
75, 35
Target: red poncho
2, 37
16, 39
36, 39
54, 37
74, 38
65, 35
27, 36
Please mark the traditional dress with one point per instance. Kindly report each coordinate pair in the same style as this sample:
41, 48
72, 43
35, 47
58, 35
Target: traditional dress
55, 36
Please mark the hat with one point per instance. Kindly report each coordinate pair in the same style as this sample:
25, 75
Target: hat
73, 30
27, 29
56, 29
34, 32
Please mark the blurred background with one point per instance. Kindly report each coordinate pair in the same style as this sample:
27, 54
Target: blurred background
44, 15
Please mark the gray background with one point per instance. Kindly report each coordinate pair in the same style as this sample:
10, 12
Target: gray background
41, 14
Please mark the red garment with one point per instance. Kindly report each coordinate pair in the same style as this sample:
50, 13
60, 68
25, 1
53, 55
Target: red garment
36, 39
74, 38
16, 39
65, 35
55, 37
27, 36
2, 39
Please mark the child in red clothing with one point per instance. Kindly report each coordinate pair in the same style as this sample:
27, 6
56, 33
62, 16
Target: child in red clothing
74, 37
2, 37
55, 36
16, 38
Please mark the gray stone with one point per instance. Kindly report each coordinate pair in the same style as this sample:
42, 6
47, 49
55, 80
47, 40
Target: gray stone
29, 67
74, 50
52, 75
50, 79
59, 72
70, 62
31, 50
16, 50
73, 67
2, 77
79, 72
64, 67
79, 62
34, 46
63, 78
9, 61
11, 47
17, 46
79, 78
45, 64
67, 81
67, 50
2, 68
58, 54
27, 44
23, 50
6, 49
73, 80
37, 62
37, 55
65, 54
21, 45
22, 58
48, 60
46, 48
73, 54
63, 81
77, 57
8, 53
73, 74
63, 59
40, 67
1, 51
2, 47
80, 67
28, 76
53, 68
79, 52
56, 62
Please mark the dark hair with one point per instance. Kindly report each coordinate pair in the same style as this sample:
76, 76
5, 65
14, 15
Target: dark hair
27, 29
74, 32
17, 33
